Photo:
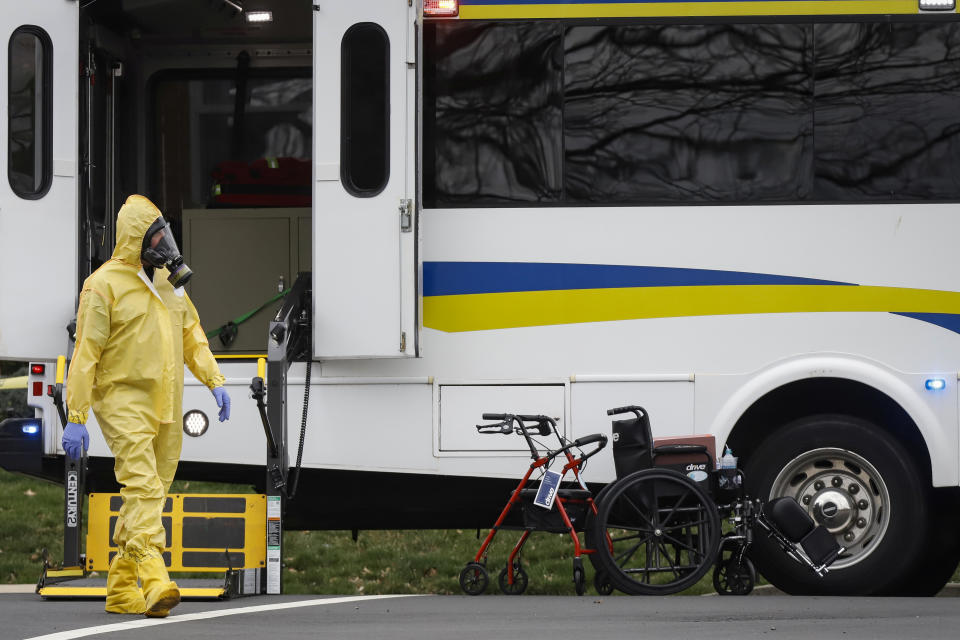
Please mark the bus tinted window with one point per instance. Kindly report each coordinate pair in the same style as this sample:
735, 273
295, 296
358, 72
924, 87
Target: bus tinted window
887, 117
29, 164
365, 110
673, 113
645, 113
492, 119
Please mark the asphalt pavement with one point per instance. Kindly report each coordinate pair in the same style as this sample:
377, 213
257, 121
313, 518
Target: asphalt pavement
27, 616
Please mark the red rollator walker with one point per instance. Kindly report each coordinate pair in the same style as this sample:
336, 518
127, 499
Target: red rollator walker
653, 530
547, 505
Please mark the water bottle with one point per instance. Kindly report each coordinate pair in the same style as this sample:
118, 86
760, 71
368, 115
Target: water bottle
729, 478
728, 461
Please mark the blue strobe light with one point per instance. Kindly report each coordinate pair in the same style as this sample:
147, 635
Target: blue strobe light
935, 384
30, 429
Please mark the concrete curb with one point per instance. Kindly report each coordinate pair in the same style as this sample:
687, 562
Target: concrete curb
18, 588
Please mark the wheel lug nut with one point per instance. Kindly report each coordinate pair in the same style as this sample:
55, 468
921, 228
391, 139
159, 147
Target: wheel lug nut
862, 504
818, 485
837, 481
854, 489
848, 536
806, 499
861, 523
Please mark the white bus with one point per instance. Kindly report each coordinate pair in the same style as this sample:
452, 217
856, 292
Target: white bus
739, 215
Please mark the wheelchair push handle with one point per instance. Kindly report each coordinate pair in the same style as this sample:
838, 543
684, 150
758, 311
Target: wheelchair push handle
637, 411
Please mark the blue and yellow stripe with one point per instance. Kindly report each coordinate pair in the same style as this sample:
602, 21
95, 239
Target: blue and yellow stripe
476, 296
533, 9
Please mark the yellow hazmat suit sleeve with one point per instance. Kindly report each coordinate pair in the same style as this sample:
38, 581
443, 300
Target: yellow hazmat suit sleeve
196, 349
93, 331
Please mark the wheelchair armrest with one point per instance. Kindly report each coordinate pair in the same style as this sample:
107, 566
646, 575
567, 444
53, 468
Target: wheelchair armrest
676, 449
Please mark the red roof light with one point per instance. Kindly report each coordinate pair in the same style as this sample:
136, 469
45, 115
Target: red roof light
441, 8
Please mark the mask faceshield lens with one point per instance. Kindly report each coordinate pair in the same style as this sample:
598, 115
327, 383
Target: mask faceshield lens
166, 246
160, 250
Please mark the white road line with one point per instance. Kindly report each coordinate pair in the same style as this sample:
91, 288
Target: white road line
189, 617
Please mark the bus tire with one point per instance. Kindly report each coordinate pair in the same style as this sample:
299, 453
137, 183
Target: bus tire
942, 546
857, 480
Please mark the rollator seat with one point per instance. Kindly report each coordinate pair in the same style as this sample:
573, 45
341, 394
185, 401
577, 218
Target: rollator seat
566, 494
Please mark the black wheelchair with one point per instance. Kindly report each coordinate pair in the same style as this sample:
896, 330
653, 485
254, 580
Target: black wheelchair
657, 531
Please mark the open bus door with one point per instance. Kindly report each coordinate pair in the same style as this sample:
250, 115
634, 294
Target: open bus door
364, 232
38, 190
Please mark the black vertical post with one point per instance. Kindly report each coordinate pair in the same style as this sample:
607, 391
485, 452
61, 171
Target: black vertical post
73, 510
74, 477
272, 581
288, 341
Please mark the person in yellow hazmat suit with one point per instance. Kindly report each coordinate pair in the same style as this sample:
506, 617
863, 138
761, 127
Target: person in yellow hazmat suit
136, 328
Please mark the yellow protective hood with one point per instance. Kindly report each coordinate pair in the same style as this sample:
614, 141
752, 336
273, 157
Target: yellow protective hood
135, 217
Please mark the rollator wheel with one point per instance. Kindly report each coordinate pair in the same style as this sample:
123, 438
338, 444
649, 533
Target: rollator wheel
734, 576
657, 533
520, 580
579, 578
601, 582
474, 579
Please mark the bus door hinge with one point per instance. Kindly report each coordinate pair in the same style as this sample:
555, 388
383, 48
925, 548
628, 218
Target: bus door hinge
403, 341
406, 217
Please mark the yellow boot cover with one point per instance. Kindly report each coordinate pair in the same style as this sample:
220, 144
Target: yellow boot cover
160, 592
123, 594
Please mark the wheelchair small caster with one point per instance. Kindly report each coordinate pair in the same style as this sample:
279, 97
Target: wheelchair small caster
601, 582
734, 576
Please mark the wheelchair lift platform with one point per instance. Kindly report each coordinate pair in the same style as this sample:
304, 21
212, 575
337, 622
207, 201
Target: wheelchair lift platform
206, 533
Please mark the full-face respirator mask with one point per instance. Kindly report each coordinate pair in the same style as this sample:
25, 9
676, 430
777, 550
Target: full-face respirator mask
164, 253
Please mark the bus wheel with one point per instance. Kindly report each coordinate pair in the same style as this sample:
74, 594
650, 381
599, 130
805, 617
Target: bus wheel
861, 484
936, 568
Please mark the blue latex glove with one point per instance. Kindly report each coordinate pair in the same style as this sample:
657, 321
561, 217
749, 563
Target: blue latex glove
223, 401
75, 440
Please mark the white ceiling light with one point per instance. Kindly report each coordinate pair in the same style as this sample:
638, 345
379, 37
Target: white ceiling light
259, 16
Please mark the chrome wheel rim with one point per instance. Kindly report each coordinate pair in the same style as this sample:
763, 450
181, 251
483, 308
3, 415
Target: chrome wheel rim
842, 491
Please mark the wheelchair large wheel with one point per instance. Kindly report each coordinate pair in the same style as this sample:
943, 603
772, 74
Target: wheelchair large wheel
657, 532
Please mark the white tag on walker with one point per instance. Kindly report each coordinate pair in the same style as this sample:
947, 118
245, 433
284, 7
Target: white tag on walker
547, 492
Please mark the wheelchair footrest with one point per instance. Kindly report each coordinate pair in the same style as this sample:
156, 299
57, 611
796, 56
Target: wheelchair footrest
820, 546
790, 518
796, 525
